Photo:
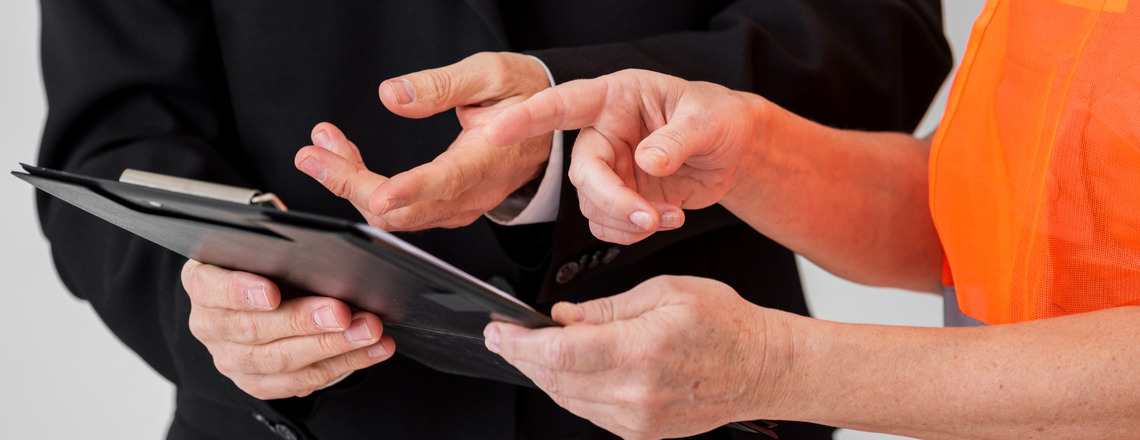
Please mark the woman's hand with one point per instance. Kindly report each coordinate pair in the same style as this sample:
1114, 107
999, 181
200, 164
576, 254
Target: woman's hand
650, 146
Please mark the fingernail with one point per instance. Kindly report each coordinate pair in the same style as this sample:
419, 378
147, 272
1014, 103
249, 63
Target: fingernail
642, 220
658, 156
671, 220
325, 319
403, 90
257, 297
323, 140
378, 351
392, 204
314, 169
358, 331
491, 338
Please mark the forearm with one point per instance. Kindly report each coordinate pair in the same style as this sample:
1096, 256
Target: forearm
853, 202
153, 105
1071, 377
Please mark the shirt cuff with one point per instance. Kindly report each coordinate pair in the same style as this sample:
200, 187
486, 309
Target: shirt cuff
521, 208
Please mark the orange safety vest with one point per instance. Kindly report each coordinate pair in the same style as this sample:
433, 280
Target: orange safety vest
1035, 169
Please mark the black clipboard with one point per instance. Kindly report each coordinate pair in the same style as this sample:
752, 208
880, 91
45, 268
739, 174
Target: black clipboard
434, 311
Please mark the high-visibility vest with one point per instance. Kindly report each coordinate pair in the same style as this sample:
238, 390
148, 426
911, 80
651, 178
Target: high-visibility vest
1035, 169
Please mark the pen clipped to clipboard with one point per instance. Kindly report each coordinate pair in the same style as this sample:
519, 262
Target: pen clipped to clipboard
209, 190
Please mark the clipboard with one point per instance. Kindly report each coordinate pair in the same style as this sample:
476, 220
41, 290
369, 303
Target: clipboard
434, 311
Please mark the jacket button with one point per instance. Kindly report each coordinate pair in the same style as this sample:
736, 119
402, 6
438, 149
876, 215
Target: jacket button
567, 272
595, 260
284, 432
611, 255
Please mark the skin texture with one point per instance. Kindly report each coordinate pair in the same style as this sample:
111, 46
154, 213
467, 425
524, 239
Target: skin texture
274, 349
678, 356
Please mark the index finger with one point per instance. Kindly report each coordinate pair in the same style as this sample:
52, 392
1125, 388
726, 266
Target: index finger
216, 288
569, 106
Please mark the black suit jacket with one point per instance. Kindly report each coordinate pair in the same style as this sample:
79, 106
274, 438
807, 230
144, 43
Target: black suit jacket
228, 90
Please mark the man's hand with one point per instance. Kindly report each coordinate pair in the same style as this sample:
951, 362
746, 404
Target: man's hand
274, 349
471, 178
675, 356
650, 145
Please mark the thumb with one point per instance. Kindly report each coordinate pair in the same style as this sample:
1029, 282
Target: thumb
619, 307
485, 76
664, 151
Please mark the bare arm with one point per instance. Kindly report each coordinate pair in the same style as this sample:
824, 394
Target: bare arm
1070, 377
678, 356
853, 202
652, 145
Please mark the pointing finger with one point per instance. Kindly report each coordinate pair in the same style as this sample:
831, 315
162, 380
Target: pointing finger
569, 106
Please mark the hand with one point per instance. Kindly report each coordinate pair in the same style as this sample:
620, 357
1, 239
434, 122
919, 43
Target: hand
650, 145
274, 349
466, 181
674, 357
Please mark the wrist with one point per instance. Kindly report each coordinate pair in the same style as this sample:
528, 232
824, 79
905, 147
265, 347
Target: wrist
762, 119
537, 76
772, 390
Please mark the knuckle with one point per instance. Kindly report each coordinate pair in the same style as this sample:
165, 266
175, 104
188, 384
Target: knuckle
274, 360
672, 137
610, 201
439, 83
331, 344
460, 179
314, 376
242, 328
557, 353
643, 407
502, 65
199, 326
226, 366
604, 307
223, 327
337, 186
300, 322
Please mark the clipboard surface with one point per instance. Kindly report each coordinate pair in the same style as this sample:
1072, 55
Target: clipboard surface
434, 311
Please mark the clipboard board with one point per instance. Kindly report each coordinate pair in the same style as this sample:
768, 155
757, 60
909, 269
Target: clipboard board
434, 311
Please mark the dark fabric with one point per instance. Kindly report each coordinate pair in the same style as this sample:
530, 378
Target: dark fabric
227, 91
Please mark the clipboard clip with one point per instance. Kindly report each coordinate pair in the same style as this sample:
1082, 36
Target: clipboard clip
210, 190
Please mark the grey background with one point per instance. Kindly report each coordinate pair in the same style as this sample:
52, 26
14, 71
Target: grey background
64, 375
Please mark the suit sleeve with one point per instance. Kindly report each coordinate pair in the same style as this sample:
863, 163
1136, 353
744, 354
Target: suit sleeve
868, 64
134, 84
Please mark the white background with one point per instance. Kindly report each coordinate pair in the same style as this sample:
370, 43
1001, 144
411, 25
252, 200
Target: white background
64, 375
